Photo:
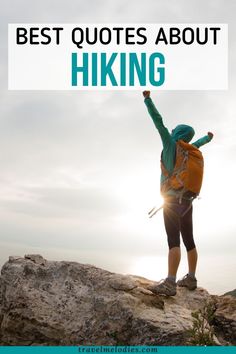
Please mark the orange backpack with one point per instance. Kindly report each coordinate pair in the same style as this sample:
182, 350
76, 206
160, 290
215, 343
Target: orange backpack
188, 171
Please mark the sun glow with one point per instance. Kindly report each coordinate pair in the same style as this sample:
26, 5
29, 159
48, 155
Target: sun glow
153, 268
139, 193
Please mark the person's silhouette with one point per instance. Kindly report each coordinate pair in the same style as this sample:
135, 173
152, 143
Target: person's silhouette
177, 212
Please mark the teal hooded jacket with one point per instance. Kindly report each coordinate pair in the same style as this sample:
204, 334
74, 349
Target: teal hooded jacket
181, 132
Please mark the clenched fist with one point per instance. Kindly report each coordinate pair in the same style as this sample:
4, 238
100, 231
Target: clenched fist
146, 94
210, 135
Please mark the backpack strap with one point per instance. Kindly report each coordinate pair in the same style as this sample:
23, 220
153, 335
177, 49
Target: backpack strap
183, 151
165, 186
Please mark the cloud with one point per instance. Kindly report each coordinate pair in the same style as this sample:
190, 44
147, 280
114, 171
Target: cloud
62, 202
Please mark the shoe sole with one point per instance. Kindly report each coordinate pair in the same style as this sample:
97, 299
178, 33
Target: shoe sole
188, 287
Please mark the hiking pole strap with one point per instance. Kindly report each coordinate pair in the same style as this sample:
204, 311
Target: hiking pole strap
153, 211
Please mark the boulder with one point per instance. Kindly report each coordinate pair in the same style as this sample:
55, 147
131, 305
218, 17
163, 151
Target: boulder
67, 303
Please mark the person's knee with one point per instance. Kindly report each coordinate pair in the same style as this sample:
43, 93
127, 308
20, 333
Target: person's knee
190, 246
173, 244
188, 241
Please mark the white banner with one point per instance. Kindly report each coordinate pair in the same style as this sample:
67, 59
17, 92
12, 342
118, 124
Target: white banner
117, 56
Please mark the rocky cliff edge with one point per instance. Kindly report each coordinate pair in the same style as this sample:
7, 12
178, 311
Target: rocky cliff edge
67, 303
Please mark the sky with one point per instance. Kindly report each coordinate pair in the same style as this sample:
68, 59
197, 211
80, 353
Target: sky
80, 170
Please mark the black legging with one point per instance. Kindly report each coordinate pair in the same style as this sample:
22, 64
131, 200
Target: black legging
177, 221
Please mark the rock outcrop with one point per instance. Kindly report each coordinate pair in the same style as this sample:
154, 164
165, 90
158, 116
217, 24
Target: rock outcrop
66, 303
232, 293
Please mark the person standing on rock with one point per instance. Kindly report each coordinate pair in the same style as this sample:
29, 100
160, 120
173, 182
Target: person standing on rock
181, 178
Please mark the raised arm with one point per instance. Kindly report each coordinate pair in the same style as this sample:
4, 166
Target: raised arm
157, 118
204, 140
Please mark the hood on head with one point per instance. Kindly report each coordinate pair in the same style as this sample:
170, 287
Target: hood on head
183, 132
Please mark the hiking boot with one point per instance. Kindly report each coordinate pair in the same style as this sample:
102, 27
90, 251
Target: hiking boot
188, 282
164, 287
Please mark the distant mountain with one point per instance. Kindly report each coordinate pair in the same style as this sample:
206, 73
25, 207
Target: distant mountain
232, 293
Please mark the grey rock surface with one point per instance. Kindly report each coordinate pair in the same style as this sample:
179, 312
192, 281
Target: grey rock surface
67, 303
